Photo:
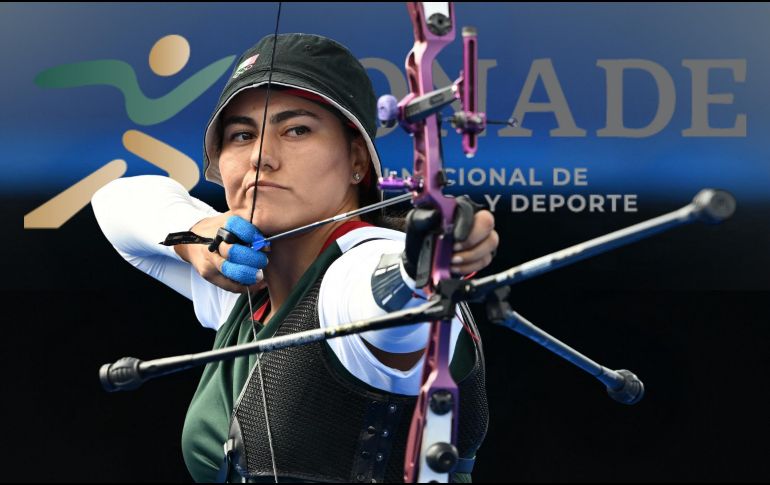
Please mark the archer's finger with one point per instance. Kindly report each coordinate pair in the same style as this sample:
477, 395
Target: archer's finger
245, 275
243, 229
237, 274
476, 258
486, 246
238, 254
468, 267
483, 225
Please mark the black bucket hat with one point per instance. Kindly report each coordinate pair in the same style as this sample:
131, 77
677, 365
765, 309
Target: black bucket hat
310, 63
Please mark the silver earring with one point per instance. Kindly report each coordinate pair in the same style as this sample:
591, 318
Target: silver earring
357, 176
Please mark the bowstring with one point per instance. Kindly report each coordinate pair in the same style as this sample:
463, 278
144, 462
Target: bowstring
251, 219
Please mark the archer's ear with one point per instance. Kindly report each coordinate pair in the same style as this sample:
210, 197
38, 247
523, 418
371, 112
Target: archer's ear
359, 154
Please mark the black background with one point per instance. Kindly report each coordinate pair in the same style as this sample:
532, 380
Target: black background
687, 311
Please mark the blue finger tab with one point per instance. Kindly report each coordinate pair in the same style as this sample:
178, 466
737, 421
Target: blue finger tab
242, 228
243, 274
250, 257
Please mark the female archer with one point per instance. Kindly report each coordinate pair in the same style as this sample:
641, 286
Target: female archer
292, 142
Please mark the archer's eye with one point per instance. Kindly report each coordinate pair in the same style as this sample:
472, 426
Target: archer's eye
297, 131
240, 136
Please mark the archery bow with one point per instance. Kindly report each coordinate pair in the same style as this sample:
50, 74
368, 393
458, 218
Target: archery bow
431, 445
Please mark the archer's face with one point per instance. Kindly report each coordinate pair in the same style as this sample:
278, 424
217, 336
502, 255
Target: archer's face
307, 162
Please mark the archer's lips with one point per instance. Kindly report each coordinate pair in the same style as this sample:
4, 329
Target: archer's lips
266, 185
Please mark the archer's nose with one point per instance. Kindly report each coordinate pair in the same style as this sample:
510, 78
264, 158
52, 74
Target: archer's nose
264, 155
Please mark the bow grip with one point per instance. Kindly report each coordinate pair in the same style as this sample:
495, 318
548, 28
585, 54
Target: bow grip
463, 217
421, 223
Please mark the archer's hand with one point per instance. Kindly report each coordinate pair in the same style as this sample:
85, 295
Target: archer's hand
234, 266
478, 249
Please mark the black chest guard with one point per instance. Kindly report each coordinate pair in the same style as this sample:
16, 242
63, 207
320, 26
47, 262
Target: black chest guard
327, 425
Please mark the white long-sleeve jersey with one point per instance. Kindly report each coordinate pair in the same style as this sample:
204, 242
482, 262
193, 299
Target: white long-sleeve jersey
135, 213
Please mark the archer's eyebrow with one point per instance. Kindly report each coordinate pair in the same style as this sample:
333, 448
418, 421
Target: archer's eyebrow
274, 119
238, 120
288, 114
